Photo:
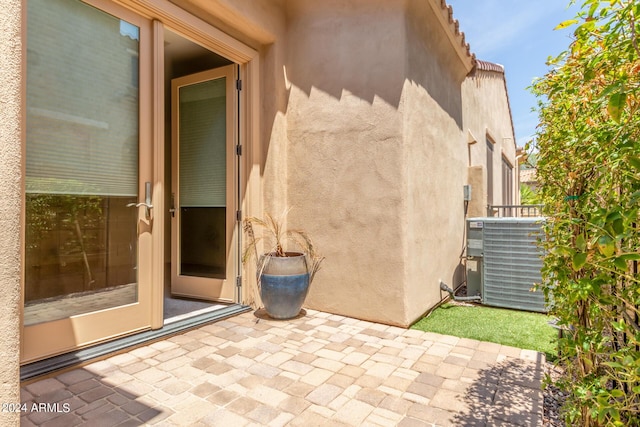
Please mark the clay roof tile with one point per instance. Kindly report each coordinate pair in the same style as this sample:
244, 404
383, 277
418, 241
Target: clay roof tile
489, 66
454, 27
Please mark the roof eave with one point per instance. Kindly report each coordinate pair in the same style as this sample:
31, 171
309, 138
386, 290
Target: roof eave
492, 67
444, 13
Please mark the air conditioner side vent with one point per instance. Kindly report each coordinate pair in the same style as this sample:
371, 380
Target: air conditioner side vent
512, 261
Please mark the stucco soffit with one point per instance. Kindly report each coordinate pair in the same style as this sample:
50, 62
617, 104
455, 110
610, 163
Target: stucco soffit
505, 157
444, 13
236, 18
491, 136
180, 19
471, 138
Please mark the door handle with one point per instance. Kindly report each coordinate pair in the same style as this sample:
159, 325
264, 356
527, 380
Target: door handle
147, 200
172, 209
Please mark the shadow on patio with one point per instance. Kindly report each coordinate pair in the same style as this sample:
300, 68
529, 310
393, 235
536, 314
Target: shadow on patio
82, 396
508, 393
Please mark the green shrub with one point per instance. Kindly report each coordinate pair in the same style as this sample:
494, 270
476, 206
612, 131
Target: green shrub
589, 174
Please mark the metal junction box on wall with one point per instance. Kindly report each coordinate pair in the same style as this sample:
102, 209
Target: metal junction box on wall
504, 262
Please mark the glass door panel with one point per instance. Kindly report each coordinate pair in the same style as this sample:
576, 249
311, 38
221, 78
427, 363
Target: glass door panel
203, 222
202, 178
84, 147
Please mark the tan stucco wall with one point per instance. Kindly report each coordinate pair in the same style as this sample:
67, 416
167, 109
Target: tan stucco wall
486, 114
477, 179
435, 157
376, 158
345, 171
10, 208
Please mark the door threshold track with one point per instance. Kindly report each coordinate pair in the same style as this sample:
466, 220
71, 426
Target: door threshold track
43, 367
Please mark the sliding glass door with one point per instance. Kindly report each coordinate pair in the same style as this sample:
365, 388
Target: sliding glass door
88, 169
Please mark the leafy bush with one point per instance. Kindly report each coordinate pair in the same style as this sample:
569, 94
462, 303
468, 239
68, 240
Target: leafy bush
589, 173
528, 196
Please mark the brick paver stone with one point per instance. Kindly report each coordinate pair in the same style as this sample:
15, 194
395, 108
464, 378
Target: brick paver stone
267, 395
371, 396
354, 412
294, 405
316, 376
324, 394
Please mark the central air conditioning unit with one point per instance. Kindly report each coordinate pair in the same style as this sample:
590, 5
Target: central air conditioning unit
504, 262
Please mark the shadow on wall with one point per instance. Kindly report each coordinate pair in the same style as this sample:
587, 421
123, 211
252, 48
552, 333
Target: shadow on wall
459, 276
372, 51
355, 49
509, 392
433, 62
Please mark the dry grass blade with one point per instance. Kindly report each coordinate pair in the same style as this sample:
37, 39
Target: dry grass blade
314, 259
275, 230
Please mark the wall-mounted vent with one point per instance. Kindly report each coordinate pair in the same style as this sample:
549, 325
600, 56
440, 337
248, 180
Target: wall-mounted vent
510, 261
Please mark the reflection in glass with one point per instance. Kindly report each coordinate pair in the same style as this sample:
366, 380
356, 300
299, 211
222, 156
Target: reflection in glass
202, 247
202, 178
81, 160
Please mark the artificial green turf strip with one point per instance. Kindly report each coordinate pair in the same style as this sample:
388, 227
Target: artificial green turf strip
507, 327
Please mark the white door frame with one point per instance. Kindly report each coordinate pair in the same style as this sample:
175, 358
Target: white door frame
192, 285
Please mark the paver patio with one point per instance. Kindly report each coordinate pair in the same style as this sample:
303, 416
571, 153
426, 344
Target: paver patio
315, 370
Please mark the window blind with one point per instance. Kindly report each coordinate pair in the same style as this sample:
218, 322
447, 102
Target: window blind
82, 101
202, 144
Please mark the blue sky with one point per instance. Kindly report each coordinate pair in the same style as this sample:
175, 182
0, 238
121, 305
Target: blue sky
519, 35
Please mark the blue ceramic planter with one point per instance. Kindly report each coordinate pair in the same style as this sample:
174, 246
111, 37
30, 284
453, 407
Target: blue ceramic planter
283, 296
